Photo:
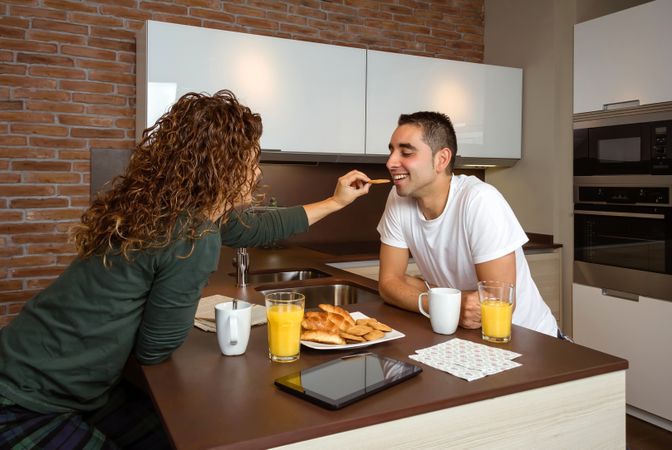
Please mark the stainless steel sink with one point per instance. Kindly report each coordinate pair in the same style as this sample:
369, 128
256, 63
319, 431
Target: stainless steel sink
285, 275
336, 294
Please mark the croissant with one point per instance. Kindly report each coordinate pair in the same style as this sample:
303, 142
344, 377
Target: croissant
322, 337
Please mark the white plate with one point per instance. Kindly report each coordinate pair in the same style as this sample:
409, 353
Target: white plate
389, 336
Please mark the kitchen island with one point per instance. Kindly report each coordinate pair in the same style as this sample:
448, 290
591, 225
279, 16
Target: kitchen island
563, 395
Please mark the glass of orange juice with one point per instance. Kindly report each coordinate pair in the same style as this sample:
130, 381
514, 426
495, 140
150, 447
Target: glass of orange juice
496, 299
284, 311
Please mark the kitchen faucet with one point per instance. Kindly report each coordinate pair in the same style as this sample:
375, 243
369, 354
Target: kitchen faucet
242, 262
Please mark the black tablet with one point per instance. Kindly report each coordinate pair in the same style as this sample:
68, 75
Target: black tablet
345, 380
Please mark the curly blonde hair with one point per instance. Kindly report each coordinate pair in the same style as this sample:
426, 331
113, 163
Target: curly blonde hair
197, 159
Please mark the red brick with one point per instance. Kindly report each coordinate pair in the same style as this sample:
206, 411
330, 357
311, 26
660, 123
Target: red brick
48, 202
286, 18
88, 52
65, 260
82, 202
163, 8
47, 60
54, 177
110, 111
40, 215
212, 15
118, 10
90, 121
119, 78
105, 65
11, 216
16, 296
10, 177
26, 227
99, 98
12, 69
128, 124
21, 45
6, 56
10, 285
87, 86
53, 25
14, 33
24, 261
22, 116
55, 107
111, 44
241, 10
13, 140
40, 238
38, 153
96, 133
212, 4
48, 271
8, 252
177, 19
41, 249
56, 72
126, 57
57, 143
49, 36
81, 166
11, 106
42, 94
74, 154
15, 81
7, 21
37, 12
44, 130
114, 33
55, 166
73, 190
70, 5
257, 23
93, 19
128, 91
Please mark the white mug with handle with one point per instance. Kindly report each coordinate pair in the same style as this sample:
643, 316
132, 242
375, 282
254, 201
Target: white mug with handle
444, 309
233, 327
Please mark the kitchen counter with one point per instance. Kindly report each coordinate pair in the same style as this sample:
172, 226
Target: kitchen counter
563, 395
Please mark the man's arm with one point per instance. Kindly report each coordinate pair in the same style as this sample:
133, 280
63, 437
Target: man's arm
394, 285
500, 269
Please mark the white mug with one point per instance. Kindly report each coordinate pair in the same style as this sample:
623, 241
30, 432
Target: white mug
233, 327
444, 309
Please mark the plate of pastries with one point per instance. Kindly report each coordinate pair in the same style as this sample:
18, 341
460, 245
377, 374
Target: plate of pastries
334, 328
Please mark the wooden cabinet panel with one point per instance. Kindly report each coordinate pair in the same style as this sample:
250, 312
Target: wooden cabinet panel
546, 271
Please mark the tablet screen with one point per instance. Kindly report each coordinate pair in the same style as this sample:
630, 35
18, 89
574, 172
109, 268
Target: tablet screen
345, 380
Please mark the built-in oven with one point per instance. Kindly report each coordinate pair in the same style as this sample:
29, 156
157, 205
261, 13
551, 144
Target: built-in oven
634, 148
623, 233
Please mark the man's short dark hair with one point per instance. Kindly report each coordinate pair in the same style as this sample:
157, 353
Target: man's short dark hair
437, 131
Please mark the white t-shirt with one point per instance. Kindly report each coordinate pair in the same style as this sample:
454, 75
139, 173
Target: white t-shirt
477, 225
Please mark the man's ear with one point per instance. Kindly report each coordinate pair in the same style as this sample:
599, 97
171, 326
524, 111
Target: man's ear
442, 159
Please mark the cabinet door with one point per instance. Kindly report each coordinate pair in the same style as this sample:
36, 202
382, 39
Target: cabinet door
638, 331
484, 102
624, 56
311, 97
546, 271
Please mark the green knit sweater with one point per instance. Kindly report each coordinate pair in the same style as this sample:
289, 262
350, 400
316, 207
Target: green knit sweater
68, 346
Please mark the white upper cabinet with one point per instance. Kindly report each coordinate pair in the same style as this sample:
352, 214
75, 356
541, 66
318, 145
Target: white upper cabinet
484, 102
311, 97
624, 56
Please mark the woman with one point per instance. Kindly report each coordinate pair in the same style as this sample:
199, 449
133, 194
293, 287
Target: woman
145, 251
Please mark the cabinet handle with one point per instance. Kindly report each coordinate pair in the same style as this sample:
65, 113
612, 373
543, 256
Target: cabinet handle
621, 294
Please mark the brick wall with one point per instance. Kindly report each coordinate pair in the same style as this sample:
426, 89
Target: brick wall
67, 85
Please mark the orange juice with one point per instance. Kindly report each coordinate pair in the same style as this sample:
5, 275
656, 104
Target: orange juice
284, 330
496, 320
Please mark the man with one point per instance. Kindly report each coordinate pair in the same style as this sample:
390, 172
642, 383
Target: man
459, 229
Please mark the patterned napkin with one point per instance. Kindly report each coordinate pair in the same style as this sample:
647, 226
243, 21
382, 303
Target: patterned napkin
205, 313
466, 359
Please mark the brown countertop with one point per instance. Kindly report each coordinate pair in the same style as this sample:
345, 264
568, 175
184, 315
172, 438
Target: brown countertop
208, 400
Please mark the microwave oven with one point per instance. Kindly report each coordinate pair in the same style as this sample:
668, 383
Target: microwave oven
636, 148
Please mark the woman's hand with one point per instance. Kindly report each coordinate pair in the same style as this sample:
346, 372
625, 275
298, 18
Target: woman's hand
351, 186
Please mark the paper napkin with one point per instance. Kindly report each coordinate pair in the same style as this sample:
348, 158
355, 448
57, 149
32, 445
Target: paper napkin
205, 313
466, 359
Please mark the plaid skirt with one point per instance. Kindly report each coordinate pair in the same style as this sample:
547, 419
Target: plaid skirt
127, 421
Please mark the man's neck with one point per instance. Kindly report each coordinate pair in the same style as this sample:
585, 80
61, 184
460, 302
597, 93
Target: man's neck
433, 202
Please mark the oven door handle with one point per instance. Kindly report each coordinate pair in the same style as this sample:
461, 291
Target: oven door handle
619, 214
